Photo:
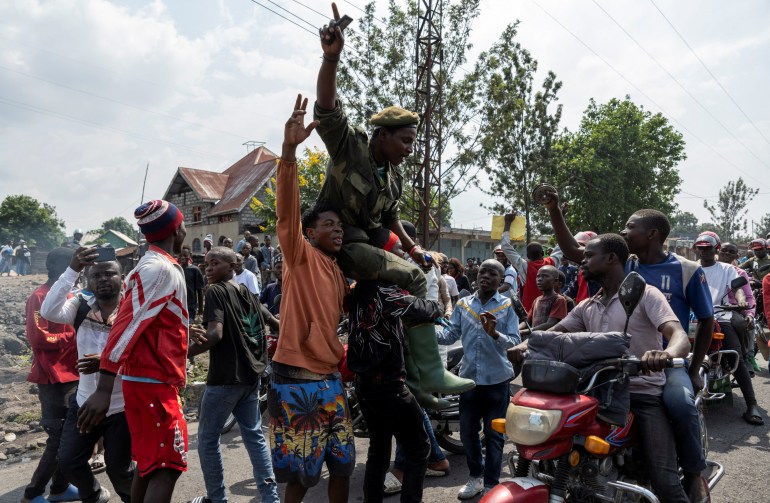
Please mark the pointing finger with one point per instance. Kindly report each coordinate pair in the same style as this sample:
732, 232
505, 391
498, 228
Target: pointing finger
336, 12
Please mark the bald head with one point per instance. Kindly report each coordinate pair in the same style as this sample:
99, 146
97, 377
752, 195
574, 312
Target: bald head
224, 254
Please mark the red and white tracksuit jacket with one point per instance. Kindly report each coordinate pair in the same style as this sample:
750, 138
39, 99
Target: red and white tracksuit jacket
149, 334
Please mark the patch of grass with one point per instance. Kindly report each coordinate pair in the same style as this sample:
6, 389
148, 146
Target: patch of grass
26, 417
25, 359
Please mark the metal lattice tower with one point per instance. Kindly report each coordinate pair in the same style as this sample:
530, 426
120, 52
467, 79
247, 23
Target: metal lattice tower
427, 171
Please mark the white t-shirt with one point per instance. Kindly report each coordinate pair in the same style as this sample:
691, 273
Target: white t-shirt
432, 278
719, 277
510, 278
451, 285
249, 279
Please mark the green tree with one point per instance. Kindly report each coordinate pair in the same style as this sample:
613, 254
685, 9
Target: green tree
119, 224
519, 125
22, 217
311, 171
379, 70
729, 213
762, 228
684, 225
621, 159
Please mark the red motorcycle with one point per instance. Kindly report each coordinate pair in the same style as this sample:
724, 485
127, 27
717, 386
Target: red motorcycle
566, 453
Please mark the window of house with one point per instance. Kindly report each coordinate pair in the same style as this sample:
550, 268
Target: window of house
196, 245
197, 214
225, 218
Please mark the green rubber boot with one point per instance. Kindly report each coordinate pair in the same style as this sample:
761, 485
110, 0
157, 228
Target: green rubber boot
426, 400
754, 363
423, 347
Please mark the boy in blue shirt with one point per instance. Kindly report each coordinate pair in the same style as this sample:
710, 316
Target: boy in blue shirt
488, 326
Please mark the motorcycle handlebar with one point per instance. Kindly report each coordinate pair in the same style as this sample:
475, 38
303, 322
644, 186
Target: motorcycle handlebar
629, 366
731, 307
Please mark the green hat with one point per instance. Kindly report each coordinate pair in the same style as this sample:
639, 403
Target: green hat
394, 116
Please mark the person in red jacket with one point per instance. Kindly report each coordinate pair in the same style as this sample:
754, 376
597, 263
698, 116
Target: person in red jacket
147, 345
54, 370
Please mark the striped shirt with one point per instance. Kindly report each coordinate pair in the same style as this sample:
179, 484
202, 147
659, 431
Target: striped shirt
149, 335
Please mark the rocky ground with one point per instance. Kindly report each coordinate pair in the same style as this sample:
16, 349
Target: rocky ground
21, 435
20, 432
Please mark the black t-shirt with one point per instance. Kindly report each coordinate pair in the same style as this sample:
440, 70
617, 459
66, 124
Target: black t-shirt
241, 356
195, 282
378, 312
463, 283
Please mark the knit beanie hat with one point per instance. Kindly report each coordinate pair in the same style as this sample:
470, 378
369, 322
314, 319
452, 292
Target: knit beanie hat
158, 219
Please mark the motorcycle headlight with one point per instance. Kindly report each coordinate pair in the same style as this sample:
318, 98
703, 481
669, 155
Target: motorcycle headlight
528, 426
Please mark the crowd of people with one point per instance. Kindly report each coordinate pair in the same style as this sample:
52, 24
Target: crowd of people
110, 359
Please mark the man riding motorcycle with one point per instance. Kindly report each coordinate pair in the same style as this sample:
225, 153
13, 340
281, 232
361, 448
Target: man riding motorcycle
604, 262
758, 265
719, 276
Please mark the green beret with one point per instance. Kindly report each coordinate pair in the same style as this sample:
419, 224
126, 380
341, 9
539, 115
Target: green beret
394, 117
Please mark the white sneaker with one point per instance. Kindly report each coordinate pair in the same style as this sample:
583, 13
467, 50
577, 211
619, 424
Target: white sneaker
471, 489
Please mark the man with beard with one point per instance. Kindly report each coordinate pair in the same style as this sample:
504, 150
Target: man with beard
148, 345
92, 318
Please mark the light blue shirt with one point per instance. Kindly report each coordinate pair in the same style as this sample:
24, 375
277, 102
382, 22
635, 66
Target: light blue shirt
484, 359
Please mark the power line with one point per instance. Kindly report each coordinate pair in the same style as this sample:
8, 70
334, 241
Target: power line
286, 18
381, 21
325, 16
621, 75
708, 70
696, 100
292, 14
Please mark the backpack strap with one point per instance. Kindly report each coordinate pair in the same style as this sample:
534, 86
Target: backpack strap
83, 310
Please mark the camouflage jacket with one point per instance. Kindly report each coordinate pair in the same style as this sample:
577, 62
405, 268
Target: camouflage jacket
753, 265
352, 185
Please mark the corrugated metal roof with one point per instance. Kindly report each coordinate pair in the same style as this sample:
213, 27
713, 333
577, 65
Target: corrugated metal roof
207, 185
123, 237
232, 189
245, 178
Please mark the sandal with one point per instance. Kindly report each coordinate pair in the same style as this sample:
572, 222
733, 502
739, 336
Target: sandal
437, 472
69, 494
97, 464
392, 485
752, 416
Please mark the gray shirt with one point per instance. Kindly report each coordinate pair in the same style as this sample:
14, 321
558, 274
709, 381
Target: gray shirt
652, 312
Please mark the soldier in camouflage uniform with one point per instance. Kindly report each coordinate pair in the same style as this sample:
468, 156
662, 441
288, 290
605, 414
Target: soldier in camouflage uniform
364, 184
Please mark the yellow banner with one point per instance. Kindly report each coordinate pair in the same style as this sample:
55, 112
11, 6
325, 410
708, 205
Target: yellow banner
518, 227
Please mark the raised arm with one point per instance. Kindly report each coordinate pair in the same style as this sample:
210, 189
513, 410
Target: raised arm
569, 247
332, 43
56, 305
510, 252
289, 225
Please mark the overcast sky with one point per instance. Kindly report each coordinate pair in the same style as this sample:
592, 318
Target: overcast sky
93, 90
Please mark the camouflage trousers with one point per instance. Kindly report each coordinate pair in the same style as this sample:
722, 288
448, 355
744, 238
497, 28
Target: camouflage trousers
362, 261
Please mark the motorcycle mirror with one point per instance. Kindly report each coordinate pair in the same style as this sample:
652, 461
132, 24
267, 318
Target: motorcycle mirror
738, 282
277, 300
631, 291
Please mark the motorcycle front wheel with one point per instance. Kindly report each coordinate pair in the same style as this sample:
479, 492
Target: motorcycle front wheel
450, 441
